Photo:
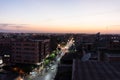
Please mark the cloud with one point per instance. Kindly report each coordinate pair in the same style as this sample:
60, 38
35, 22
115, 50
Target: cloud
4, 26
12, 27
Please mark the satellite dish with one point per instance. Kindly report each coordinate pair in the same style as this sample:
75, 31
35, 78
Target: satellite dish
86, 57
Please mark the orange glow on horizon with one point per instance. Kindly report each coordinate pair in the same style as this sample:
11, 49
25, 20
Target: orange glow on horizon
72, 29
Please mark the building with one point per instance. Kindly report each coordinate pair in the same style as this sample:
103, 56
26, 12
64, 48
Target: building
5, 50
111, 51
114, 45
95, 70
29, 51
112, 57
64, 70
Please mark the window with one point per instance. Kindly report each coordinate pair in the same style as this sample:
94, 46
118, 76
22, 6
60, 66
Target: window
18, 48
18, 44
29, 48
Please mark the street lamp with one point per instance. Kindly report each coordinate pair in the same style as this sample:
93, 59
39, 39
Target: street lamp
1, 61
73, 41
58, 45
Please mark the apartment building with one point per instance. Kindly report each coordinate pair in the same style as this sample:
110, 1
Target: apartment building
5, 50
29, 51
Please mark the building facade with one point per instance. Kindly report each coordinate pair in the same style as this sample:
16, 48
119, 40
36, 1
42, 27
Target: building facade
5, 50
29, 51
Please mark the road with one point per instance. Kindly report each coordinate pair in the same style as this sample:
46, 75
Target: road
68, 45
50, 74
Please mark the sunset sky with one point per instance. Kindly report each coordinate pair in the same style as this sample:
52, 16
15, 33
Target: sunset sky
79, 16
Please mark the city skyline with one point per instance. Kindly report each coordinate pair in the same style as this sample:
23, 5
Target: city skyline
61, 16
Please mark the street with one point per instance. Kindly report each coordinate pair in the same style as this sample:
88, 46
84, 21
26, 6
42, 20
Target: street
49, 75
51, 72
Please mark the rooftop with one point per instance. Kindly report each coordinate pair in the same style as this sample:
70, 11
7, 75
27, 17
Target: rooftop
113, 54
95, 71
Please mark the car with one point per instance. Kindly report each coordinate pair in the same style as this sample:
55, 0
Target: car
47, 68
50, 65
52, 68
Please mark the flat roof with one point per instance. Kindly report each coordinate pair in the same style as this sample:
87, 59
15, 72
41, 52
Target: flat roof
113, 54
95, 70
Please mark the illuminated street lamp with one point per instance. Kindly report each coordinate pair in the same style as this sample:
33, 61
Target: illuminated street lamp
1, 61
19, 78
75, 50
58, 44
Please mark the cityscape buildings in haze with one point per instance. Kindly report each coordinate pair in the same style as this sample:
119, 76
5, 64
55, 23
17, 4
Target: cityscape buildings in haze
59, 40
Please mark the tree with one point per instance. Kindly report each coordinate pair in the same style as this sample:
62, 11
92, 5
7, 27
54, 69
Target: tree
46, 62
